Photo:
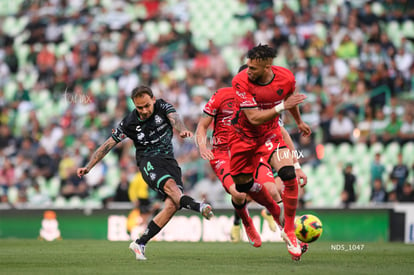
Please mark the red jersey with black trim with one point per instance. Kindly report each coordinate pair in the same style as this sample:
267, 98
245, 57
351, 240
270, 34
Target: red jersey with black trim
220, 106
249, 94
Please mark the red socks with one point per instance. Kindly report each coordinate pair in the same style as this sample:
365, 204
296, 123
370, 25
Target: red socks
260, 194
290, 201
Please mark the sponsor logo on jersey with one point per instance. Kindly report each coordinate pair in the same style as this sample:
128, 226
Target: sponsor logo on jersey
140, 136
241, 94
219, 163
162, 127
158, 119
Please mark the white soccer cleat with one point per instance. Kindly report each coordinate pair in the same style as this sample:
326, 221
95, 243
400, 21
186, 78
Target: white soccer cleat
206, 211
292, 243
138, 250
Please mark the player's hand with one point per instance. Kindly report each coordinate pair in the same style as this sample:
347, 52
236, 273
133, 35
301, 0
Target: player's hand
82, 171
294, 100
304, 129
186, 134
206, 154
301, 176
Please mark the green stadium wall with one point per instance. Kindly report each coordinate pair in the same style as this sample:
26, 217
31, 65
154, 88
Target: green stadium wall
354, 225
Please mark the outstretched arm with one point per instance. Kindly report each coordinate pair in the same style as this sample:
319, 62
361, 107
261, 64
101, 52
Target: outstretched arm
201, 137
99, 154
178, 124
257, 116
303, 127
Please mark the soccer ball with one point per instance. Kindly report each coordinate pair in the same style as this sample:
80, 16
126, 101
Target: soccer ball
308, 228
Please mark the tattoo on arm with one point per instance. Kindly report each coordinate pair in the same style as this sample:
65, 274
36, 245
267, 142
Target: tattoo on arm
101, 152
176, 122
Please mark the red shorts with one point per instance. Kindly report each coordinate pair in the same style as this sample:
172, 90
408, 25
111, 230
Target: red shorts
245, 153
221, 166
263, 172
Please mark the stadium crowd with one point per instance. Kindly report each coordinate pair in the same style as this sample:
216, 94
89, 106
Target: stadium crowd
67, 69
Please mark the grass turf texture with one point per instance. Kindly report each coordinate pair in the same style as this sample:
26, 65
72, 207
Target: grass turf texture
104, 257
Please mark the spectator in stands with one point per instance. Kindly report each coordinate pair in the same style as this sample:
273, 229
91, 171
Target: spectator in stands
10, 59
4, 73
407, 194
378, 195
341, 129
394, 106
377, 169
278, 39
7, 176
74, 186
263, 34
45, 62
54, 31
128, 81
347, 49
400, 174
51, 135
23, 176
348, 193
406, 133
364, 127
38, 197
209, 188
392, 129
378, 125
306, 152
247, 42
45, 167
7, 140
108, 64
121, 192
403, 61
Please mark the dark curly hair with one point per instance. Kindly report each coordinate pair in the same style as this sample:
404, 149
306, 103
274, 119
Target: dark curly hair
261, 52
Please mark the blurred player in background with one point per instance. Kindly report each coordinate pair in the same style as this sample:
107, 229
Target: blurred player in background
150, 125
144, 204
263, 91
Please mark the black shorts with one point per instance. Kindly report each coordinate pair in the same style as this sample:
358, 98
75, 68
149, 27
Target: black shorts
156, 171
145, 205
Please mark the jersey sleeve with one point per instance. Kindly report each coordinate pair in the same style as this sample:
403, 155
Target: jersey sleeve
118, 134
244, 97
212, 107
166, 107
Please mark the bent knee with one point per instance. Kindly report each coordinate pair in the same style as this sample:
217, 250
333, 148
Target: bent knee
170, 206
239, 196
287, 173
242, 178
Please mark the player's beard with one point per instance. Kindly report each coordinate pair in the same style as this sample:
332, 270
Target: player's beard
144, 116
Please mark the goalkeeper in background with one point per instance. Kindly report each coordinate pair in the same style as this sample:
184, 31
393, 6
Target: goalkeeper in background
144, 200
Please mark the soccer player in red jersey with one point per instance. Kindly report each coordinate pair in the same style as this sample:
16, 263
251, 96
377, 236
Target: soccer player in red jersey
263, 91
220, 109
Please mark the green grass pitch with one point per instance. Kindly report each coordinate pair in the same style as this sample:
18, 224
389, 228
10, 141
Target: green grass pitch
105, 257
